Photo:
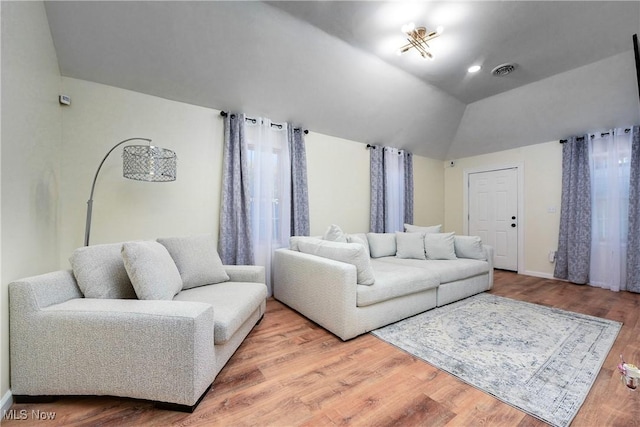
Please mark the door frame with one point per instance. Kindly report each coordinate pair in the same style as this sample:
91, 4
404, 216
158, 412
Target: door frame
519, 166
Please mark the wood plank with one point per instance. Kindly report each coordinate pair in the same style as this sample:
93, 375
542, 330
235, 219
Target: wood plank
290, 371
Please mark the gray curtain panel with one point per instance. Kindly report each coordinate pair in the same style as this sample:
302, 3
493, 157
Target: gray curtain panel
376, 172
234, 241
378, 190
633, 240
574, 242
408, 187
299, 191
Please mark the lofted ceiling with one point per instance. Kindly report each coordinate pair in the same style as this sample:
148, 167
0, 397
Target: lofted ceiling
331, 65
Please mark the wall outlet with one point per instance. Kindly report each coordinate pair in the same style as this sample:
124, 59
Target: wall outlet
552, 256
64, 100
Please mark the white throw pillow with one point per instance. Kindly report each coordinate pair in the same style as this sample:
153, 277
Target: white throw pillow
382, 244
419, 229
469, 247
151, 269
439, 246
359, 238
350, 253
100, 272
197, 260
410, 245
335, 234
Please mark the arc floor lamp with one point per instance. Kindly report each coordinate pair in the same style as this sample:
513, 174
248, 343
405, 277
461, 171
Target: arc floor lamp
141, 163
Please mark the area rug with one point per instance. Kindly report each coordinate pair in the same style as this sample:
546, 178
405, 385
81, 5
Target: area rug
540, 360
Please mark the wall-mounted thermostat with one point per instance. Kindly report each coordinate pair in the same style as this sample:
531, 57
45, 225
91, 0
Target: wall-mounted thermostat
64, 100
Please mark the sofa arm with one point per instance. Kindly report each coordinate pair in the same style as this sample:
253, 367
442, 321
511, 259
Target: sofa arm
245, 273
321, 289
154, 350
47, 289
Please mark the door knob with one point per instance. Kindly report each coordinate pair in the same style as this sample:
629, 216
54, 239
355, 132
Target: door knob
513, 225
513, 217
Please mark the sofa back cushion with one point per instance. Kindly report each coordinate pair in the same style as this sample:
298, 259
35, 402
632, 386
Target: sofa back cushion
100, 272
197, 260
410, 245
350, 253
294, 240
382, 244
439, 246
152, 271
409, 228
469, 247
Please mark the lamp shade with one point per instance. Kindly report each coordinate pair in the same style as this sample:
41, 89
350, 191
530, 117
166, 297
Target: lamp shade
148, 163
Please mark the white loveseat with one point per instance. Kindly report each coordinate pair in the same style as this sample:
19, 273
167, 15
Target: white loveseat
90, 332
365, 281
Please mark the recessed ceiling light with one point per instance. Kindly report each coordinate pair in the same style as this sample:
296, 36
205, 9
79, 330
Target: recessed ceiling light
474, 68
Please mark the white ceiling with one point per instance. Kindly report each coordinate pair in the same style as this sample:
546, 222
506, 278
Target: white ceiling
331, 66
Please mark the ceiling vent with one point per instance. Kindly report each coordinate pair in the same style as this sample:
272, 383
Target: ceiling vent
504, 69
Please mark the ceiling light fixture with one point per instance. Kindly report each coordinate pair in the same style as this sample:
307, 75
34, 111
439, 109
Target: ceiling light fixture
474, 68
418, 38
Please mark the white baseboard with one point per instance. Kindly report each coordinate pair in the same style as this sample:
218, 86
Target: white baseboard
6, 402
538, 274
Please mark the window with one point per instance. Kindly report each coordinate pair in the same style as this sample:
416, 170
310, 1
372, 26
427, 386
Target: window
269, 182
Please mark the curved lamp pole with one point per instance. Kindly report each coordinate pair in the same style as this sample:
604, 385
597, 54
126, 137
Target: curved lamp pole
87, 229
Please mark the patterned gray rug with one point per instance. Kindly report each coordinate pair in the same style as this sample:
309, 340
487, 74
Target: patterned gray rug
540, 360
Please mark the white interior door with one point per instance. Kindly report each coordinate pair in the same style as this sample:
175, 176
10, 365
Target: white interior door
493, 213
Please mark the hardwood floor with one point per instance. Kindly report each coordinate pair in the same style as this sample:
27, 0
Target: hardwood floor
290, 371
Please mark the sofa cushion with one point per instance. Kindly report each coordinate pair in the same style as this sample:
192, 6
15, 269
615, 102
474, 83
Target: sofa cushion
393, 281
197, 260
410, 245
359, 238
152, 271
293, 241
233, 303
100, 272
350, 253
446, 270
469, 247
439, 246
409, 228
335, 234
382, 244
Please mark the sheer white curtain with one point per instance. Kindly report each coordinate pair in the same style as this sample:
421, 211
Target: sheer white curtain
394, 189
270, 189
610, 160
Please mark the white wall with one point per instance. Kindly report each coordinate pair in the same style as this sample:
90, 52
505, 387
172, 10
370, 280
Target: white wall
31, 144
428, 191
338, 180
100, 116
339, 185
542, 189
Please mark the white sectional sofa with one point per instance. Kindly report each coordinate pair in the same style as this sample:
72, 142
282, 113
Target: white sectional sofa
147, 320
353, 284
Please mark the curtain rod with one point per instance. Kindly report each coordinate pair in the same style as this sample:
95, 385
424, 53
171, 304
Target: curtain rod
225, 114
399, 153
581, 138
